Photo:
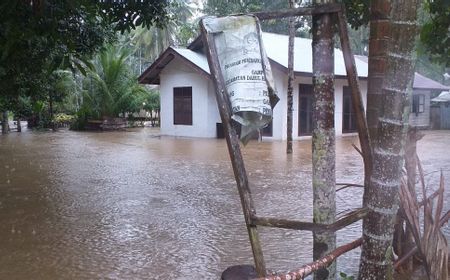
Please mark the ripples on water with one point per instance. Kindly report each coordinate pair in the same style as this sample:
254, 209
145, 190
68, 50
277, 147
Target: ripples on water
136, 206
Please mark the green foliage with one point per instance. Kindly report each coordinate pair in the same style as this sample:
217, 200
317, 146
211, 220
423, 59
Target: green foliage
344, 276
37, 37
111, 88
435, 33
149, 43
23, 108
152, 102
357, 12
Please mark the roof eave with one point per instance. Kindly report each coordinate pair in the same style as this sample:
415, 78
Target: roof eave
151, 74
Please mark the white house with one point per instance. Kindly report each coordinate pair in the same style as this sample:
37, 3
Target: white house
188, 102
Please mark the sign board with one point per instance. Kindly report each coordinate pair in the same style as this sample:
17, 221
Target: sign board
246, 70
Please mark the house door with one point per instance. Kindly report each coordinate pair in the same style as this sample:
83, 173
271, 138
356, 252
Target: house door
305, 98
348, 114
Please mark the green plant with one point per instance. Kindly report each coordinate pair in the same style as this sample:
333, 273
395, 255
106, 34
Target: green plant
344, 276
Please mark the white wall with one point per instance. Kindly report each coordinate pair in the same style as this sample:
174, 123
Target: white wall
178, 74
280, 111
204, 105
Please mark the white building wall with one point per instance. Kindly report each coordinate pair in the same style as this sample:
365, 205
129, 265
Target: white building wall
279, 125
280, 111
205, 111
178, 74
213, 111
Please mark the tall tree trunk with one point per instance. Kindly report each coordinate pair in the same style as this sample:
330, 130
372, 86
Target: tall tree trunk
378, 41
5, 125
290, 96
323, 138
382, 197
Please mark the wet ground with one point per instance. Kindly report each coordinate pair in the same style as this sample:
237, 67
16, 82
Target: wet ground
133, 205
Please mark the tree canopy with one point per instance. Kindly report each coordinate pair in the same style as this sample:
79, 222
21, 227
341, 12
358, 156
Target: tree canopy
37, 37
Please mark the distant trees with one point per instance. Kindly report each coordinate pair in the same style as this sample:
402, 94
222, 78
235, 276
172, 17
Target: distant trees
149, 43
110, 88
39, 37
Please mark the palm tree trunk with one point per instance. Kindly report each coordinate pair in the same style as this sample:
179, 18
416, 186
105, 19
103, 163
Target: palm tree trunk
382, 197
323, 138
290, 97
378, 41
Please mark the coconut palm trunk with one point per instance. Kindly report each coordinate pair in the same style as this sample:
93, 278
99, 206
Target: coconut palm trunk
323, 138
378, 41
382, 196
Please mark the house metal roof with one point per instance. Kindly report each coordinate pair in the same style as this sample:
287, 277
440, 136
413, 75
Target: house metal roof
443, 97
276, 46
420, 81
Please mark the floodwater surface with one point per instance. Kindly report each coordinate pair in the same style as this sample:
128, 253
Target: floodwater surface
134, 205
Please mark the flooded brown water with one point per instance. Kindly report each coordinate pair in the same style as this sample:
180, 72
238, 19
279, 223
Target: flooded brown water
133, 205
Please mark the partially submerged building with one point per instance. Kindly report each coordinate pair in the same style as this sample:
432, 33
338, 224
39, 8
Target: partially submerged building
189, 107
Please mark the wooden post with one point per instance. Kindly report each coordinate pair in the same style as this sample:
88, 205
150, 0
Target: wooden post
290, 94
5, 125
358, 106
234, 149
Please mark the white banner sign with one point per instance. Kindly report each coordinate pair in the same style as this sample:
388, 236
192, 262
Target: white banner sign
246, 70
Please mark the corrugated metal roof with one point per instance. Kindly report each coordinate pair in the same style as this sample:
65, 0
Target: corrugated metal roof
420, 81
426, 83
443, 97
276, 46
196, 58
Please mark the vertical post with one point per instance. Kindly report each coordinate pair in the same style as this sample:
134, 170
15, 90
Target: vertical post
234, 150
352, 77
5, 125
290, 97
19, 126
323, 138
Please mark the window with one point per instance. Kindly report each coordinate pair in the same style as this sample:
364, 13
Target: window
418, 104
182, 105
305, 98
348, 114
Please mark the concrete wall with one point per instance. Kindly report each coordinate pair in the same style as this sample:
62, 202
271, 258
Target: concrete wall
178, 74
205, 112
280, 111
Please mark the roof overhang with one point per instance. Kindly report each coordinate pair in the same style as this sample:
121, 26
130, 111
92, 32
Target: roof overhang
152, 73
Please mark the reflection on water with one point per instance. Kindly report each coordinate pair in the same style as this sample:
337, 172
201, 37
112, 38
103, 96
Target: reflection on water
138, 206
